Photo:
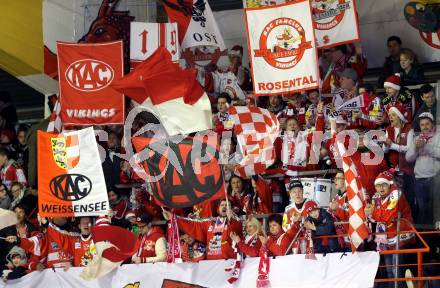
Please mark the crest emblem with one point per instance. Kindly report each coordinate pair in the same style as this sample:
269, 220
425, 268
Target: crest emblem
283, 43
65, 151
328, 13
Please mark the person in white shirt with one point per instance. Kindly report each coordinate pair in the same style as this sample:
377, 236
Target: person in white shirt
424, 150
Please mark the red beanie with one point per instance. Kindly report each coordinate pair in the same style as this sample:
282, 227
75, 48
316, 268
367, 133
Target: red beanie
392, 81
309, 206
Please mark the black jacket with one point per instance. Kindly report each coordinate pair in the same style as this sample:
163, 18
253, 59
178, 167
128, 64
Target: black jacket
324, 226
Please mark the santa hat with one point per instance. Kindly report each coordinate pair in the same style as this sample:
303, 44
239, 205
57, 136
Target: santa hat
309, 206
130, 213
385, 177
392, 81
237, 50
399, 110
102, 221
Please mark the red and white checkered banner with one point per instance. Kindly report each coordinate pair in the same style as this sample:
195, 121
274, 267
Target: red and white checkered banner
335, 21
282, 48
145, 38
358, 230
256, 130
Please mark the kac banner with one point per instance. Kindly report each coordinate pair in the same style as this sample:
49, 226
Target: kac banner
335, 21
145, 38
335, 270
182, 173
85, 74
70, 177
282, 48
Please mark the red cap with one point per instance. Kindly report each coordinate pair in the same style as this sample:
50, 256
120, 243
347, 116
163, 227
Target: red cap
309, 206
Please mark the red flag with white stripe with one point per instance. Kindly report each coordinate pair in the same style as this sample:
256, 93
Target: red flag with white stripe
357, 228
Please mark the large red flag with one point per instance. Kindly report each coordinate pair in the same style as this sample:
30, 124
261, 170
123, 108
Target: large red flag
171, 93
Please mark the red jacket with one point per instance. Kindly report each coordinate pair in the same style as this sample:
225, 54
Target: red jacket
398, 159
261, 202
120, 209
386, 211
82, 249
214, 232
250, 247
9, 174
45, 251
291, 210
147, 244
278, 244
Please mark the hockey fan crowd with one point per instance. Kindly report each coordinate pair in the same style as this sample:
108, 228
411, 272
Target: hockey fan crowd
399, 185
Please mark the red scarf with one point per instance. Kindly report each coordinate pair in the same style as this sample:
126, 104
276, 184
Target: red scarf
263, 268
174, 253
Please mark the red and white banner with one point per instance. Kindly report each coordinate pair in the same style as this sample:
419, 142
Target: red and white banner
256, 129
196, 23
282, 48
335, 22
358, 230
85, 74
70, 177
145, 38
335, 270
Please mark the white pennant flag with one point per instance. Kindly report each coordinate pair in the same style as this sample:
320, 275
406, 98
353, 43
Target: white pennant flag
196, 23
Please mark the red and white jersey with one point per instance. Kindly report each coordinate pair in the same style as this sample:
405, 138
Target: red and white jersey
147, 244
82, 249
10, 174
292, 210
385, 213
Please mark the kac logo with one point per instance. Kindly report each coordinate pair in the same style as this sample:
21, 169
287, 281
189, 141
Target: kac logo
70, 187
283, 43
328, 13
89, 75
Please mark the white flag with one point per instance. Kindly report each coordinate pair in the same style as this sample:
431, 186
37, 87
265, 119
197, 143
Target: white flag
282, 48
145, 38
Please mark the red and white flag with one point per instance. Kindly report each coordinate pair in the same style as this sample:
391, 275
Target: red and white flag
113, 246
335, 22
85, 74
196, 23
55, 124
70, 177
282, 48
357, 229
145, 38
256, 129
169, 92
